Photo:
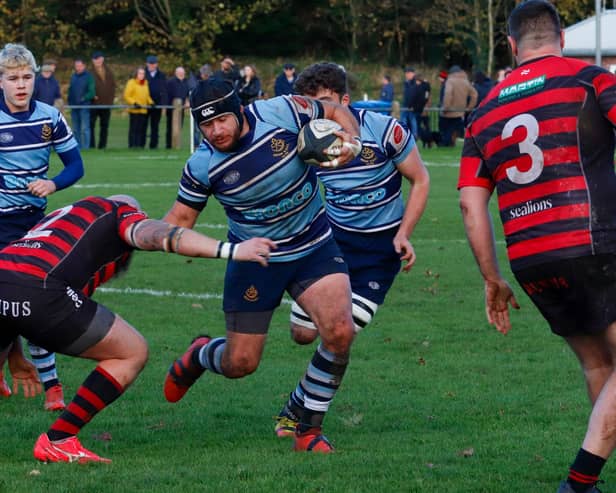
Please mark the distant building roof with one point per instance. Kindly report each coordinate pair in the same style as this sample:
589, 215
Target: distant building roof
580, 38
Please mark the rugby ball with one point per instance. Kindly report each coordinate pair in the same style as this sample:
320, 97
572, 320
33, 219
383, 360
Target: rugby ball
316, 137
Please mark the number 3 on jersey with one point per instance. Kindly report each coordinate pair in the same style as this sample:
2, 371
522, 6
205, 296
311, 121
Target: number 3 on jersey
40, 231
527, 146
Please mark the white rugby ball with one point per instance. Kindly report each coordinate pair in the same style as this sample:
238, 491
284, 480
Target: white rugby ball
316, 137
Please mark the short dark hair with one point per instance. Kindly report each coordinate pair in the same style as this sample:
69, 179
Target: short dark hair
322, 75
534, 20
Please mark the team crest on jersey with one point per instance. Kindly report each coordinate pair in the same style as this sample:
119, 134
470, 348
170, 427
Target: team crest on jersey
302, 105
280, 147
231, 177
46, 132
251, 294
6, 137
398, 134
374, 285
367, 156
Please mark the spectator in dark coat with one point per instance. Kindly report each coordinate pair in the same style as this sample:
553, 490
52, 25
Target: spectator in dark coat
285, 81
408, 100
46, 86
81, 92
105, 86
387, 89
228, 71
177, 90
249, 87
482, 84
157, 82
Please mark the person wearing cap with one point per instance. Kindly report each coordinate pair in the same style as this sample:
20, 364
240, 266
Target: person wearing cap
105, 86
459, 98
285, 81
46, 86
408, 100
157, 83
249, 162
81, 92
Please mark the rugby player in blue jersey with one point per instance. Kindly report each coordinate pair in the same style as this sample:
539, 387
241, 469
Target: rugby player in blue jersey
29, 130
366, 210
248, 161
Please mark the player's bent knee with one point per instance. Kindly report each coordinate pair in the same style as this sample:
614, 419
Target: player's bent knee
239, 366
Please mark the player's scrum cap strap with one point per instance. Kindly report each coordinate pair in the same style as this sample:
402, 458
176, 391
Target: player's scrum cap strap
212, 99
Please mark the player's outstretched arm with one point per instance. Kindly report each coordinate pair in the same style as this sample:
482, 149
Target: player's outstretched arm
152, 234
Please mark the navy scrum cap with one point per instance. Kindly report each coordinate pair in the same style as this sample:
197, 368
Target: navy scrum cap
213, 98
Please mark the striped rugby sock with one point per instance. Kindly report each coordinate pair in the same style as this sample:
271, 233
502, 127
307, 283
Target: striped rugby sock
318, 387
585, 470
45, 363
97, 391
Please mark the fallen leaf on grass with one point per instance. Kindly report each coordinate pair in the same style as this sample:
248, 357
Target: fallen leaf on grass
34, 472
102, 437
467, 452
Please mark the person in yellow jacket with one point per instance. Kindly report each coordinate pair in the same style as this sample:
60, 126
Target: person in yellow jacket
137, 95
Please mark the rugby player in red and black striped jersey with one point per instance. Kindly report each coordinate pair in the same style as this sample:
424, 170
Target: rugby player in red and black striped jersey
544, 139
46, 279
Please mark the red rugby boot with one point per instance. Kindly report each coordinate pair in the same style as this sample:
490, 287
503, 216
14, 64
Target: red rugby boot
183, 372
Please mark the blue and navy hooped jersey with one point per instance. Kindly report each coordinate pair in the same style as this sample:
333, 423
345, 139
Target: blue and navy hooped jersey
26, 141
365, 196
265, 189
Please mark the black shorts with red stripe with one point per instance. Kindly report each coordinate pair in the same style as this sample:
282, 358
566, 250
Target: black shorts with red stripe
50, 313
576, 295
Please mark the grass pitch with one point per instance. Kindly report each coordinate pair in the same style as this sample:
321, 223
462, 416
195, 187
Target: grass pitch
434, 399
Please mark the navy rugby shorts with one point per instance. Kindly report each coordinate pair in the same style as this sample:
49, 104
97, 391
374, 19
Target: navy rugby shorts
50, 314
576, 296
251, 288
373, 262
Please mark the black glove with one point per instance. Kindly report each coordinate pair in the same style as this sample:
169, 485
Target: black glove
135, 105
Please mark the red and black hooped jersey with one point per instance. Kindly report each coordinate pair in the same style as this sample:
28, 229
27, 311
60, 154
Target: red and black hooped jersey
81, 244
544, 138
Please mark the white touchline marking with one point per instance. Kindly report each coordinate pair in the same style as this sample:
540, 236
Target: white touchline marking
167, 293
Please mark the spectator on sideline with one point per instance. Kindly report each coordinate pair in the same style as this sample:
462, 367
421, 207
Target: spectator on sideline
157, 82
81, 92
36, 128
422, 96
249, 87
177, 89
408, 100
46, 86
105, 87
482, 84
49, 280
205, 72
137, 95
459, 98
374, 240
387, 89
248, 162
285, 80
544, 139
228, 72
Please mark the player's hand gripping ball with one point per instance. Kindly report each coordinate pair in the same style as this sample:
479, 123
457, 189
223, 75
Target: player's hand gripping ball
316, 137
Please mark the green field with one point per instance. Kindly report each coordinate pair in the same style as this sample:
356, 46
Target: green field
434, 399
